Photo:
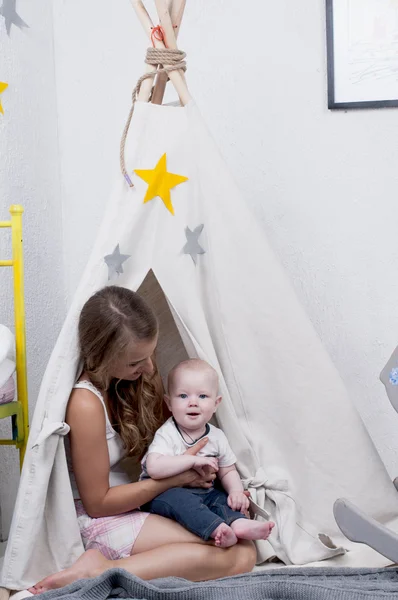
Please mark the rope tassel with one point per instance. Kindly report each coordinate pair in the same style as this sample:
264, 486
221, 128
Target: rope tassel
166, 60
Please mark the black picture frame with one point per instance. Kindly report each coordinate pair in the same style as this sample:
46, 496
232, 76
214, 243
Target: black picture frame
331, 75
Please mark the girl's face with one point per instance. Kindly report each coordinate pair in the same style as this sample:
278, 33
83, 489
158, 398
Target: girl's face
136, 361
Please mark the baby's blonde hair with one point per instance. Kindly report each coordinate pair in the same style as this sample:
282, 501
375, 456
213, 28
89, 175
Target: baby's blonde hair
192, 364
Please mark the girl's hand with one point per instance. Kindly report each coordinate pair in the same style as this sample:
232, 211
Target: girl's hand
238, 501
194, 479
201, 462
197, 447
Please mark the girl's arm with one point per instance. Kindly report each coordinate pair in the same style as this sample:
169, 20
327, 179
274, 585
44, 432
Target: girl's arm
90, 461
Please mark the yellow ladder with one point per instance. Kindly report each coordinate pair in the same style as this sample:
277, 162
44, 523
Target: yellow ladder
18, 410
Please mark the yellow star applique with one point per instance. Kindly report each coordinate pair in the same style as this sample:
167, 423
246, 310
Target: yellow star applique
160, 182
3, 86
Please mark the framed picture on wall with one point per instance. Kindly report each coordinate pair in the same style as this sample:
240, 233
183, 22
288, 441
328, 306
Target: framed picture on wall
362, 53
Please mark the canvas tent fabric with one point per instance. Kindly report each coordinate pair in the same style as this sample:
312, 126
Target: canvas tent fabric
299, 440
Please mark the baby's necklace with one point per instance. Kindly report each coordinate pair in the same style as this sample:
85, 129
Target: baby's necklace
187, 434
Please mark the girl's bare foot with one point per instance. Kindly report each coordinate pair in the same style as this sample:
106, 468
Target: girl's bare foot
90, 564
223, 536
245, 529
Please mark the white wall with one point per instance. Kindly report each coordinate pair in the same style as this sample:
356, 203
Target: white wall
29, 176
323, 184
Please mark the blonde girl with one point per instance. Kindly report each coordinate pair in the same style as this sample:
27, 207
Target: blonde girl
113, 412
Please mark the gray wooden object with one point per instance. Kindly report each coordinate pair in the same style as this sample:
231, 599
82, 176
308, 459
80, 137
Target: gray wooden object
359, 527
389, 377
355, 524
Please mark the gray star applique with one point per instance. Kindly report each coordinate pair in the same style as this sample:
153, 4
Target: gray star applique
11, 17
192, 247
114, 262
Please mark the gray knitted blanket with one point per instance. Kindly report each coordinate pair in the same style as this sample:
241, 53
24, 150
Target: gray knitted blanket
276, 584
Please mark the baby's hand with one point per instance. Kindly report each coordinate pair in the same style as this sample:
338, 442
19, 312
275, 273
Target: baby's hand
205, 461
238, 501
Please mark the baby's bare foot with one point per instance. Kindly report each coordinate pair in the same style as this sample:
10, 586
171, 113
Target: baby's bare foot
245, 529
223, 536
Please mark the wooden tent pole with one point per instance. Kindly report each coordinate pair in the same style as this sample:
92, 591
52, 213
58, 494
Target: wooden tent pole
146, 22
175, 76
176, 13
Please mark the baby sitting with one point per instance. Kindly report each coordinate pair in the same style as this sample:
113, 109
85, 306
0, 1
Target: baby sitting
192, 399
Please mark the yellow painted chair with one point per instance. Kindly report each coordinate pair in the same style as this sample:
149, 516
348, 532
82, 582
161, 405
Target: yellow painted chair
18, 409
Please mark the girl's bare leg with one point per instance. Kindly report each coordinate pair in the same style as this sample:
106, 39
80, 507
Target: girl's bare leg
196, 562
159, 531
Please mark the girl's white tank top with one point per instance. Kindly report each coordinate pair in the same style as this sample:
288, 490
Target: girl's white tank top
116, 449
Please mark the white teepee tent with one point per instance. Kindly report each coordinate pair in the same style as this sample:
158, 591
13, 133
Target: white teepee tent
299, 441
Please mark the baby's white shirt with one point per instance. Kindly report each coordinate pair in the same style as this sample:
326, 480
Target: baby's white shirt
169, 442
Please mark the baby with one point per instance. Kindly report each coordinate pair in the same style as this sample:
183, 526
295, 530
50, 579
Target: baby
211, 514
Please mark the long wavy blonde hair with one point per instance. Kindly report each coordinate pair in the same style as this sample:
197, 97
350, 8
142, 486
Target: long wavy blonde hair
110, 321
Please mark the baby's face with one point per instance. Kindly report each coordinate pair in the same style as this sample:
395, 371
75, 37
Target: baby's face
193, 398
